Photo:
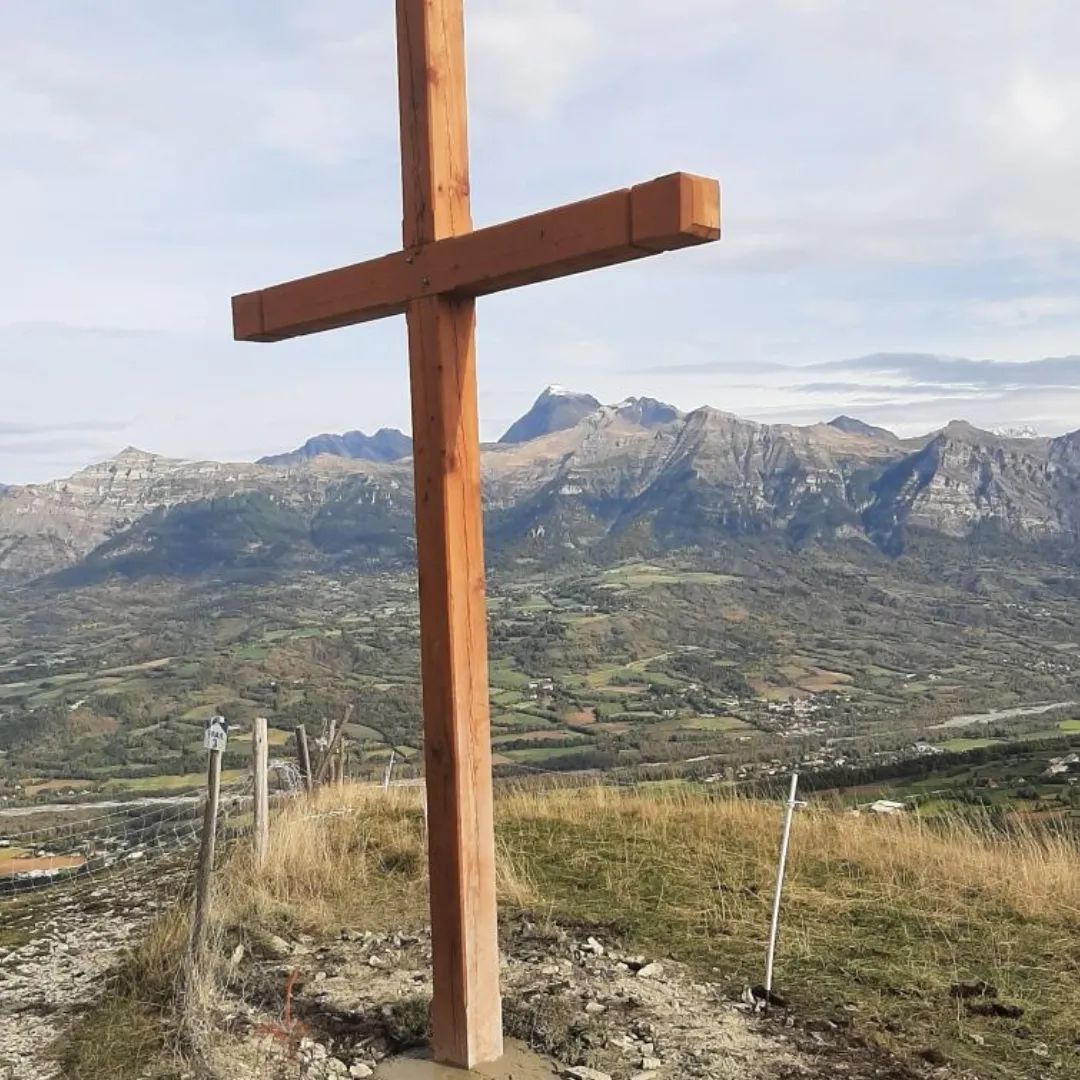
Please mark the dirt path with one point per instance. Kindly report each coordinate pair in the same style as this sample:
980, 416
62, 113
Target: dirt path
55, 948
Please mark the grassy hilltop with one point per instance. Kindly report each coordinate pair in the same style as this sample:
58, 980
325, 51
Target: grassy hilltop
910, 947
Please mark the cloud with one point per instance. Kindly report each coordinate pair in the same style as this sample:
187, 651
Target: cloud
527, 58
8, 430
952, 371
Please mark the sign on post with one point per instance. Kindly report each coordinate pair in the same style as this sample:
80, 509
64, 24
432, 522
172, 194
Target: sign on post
216, 733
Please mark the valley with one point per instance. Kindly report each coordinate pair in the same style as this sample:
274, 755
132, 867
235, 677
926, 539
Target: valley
687, 596
723, 668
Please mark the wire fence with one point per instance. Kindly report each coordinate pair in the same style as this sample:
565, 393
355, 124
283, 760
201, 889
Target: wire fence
105, 846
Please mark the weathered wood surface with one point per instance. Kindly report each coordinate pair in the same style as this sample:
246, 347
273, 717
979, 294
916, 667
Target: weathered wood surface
326, 762
303, 756
260, 760
204, 870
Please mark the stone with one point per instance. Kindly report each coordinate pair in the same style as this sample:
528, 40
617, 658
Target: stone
359, 1070
272, 947
650, 1064
651, 971
582, 1072
595, 1007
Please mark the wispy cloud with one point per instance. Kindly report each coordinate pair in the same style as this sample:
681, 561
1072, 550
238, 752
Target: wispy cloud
17, 430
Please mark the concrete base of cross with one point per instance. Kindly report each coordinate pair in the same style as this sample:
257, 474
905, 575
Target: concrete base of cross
517, 1063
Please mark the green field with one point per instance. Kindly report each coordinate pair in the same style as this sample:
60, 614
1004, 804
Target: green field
967, 744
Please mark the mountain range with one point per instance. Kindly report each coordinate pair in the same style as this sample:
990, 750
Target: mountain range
572, 476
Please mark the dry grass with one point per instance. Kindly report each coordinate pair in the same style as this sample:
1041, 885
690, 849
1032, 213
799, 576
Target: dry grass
352, 857
881, 916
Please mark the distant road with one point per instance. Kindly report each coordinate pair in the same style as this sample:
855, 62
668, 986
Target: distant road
107, 804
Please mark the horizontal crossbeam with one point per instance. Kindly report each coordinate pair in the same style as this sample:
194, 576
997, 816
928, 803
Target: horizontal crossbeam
672, 212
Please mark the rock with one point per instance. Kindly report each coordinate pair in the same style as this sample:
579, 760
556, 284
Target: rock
336, 1067
651, 971
650, 1064
237, 955
595, 1007
581, 1072
376, 961
593, 946
995, 1008
359, 1069
271, 947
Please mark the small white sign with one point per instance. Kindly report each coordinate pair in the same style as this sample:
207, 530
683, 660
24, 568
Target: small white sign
216, 734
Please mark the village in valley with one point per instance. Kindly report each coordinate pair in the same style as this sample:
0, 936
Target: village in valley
667, 670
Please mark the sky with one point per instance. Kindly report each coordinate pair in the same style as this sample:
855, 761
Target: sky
901, 220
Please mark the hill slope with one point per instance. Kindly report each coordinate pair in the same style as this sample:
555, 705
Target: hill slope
907, 951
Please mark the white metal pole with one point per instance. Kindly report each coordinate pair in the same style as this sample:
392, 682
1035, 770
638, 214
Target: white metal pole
389, 771
775, 927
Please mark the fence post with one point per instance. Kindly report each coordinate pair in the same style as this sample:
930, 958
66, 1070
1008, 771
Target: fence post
327, 774
206, 856
303, 756
775, 925
260, 753
389, 770
327, 760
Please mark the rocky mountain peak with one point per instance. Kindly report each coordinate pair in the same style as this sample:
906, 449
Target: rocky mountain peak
850, 425
556, 409
134, 454
647, 411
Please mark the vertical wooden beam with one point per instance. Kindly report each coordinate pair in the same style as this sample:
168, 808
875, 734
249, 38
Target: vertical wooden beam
260, 754
303, 757
326, 765
466, 1013
205, 868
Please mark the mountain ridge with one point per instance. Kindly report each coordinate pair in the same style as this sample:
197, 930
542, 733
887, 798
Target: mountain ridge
638, 474
387, 444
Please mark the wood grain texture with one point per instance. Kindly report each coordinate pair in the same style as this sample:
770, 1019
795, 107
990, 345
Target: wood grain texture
675, 211
617, 227
303, 756
466, 1010
260, 760
205, 868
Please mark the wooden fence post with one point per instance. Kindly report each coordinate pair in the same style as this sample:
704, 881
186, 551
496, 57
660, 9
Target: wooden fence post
206, 856
303, 756
327, 775
260, 753
323, 772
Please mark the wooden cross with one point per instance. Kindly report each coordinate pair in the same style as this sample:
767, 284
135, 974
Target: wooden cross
434, 280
